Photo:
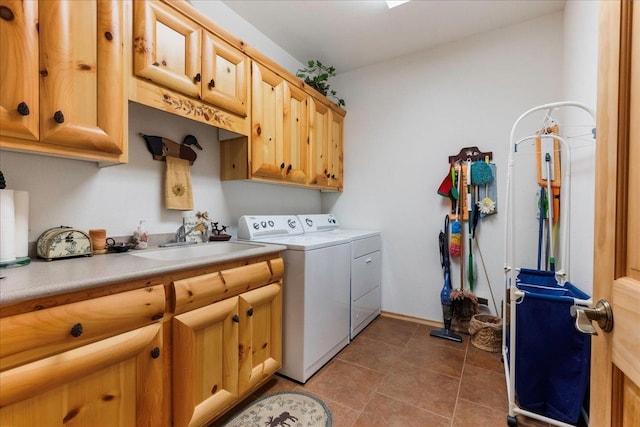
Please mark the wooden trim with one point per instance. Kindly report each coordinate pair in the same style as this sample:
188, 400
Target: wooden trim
411, 319
605, 186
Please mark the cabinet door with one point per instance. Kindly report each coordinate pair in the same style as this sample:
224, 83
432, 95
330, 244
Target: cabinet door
260, 341
205, 360
225, 75
267, 90
82, 97
319, 142
19, 103
335, 150
166, 47
114, 382
296, 134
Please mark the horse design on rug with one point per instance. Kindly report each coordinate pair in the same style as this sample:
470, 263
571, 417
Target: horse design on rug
281, 420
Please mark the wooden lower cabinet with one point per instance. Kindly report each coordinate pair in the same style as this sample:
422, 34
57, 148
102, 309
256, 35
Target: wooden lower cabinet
223, 351
155, 355
113, 382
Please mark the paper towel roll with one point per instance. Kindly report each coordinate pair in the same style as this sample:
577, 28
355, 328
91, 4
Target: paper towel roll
7, 226
21, 203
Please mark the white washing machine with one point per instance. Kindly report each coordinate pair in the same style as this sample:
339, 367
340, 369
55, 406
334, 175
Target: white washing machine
316, 291
366, 266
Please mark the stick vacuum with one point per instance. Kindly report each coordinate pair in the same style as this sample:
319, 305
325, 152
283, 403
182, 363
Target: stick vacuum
445, 293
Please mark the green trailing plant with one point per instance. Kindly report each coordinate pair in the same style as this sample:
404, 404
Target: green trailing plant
316, 75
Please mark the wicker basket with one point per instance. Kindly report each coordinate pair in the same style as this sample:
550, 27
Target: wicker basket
486, 332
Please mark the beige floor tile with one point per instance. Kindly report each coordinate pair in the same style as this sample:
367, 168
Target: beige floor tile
391, 331
423, 388
383, 411
470, 414
484, 359
376, 355
484, 387
346, 383
424, 353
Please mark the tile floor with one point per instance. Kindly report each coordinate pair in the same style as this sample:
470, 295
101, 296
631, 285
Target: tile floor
395, 374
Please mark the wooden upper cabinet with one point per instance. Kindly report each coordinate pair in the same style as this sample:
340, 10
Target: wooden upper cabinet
326, 128
267, 133
81, 65
296, 134
166, 47
62, 78
19, 99
336, 150
280, 127
225, 75
319, 142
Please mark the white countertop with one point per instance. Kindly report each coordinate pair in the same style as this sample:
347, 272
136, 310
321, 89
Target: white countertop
46, 278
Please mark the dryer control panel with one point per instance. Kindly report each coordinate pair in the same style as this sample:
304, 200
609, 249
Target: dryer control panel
251, 227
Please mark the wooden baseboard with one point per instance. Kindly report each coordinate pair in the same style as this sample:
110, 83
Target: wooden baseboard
412, 319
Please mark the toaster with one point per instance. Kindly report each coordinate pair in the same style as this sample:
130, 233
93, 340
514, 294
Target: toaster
63, 242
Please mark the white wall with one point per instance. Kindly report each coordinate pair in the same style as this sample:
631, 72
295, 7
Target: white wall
79, 194
579, 84
406, 116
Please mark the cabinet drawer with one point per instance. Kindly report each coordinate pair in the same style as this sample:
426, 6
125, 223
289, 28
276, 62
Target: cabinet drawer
29, 336
198, 291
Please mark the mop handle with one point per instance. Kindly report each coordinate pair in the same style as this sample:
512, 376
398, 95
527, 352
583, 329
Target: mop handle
552, 259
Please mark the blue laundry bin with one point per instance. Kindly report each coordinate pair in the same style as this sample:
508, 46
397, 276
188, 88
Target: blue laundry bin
552, 358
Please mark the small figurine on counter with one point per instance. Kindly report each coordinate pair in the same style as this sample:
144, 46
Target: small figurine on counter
218, 232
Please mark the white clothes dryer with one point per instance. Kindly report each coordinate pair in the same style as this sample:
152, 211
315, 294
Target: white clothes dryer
366, 266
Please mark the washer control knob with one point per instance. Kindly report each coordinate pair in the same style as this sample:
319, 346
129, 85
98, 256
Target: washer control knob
271, 223
256, 226
264, 224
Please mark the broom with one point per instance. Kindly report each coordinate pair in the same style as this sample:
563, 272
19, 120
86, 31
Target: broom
463, 302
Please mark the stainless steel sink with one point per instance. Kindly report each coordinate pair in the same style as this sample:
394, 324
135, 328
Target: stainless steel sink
187, 252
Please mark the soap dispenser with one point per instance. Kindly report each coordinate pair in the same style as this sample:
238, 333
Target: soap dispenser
141, 237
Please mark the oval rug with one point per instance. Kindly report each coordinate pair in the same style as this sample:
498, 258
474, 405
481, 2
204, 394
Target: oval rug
284, 409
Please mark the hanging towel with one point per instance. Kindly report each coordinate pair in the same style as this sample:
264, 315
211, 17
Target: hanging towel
490, 191
178, 193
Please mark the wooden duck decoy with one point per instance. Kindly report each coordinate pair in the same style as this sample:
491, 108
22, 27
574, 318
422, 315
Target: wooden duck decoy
161, 147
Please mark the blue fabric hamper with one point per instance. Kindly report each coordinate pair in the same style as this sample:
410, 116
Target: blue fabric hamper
552, 357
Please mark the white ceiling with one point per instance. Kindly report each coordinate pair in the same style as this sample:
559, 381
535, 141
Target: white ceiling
350, 34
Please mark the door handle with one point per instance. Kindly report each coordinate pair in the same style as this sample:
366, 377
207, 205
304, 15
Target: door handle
368, 261
601, 313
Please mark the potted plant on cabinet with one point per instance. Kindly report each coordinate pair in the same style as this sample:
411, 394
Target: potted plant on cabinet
316, 75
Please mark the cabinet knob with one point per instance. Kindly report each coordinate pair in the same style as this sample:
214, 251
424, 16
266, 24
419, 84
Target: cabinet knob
58, 117
23, 109
282, 165
235, 318
76, 330
197, 78
6, 14
250, 312
289, 168
155, 353
212, 84
333, 176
